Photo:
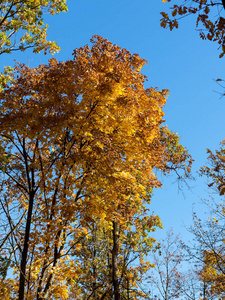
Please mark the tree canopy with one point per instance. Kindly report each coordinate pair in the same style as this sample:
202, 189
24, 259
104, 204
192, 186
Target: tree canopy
80, 140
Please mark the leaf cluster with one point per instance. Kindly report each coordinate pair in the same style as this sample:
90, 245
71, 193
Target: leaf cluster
22, 25
209, 22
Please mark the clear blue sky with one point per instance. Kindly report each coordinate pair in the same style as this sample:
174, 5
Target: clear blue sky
178, 61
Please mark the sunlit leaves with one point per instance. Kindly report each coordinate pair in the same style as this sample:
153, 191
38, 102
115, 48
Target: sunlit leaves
82, 140
26, 17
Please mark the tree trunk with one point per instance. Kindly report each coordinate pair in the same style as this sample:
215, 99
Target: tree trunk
115, 250
128, 289
23, 263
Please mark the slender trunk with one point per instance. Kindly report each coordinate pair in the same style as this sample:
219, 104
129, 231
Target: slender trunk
204, 290
128, 289
94, 287
115, 251
45, 263
25, 249
23, 264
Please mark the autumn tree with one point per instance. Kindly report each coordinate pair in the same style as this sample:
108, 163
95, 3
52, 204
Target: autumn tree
79, 140
209, 18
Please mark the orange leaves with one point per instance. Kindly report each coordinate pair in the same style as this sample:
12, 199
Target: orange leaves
192, 10
182, 10
85, 138
165, 16
206, 10
174, 12
164, 22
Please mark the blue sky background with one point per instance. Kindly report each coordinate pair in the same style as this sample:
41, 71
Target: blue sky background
179, 61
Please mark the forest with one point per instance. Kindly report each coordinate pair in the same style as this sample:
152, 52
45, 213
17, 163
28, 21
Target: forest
85, 147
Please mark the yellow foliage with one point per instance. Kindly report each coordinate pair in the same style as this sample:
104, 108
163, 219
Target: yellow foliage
82, 141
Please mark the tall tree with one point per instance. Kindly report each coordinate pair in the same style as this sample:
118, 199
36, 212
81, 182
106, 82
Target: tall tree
79, 139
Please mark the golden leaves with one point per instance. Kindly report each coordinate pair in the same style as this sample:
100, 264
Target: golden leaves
85, 138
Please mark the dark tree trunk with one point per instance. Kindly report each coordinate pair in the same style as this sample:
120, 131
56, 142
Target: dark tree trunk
23, 263
115, 250
128, 289
31, 193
